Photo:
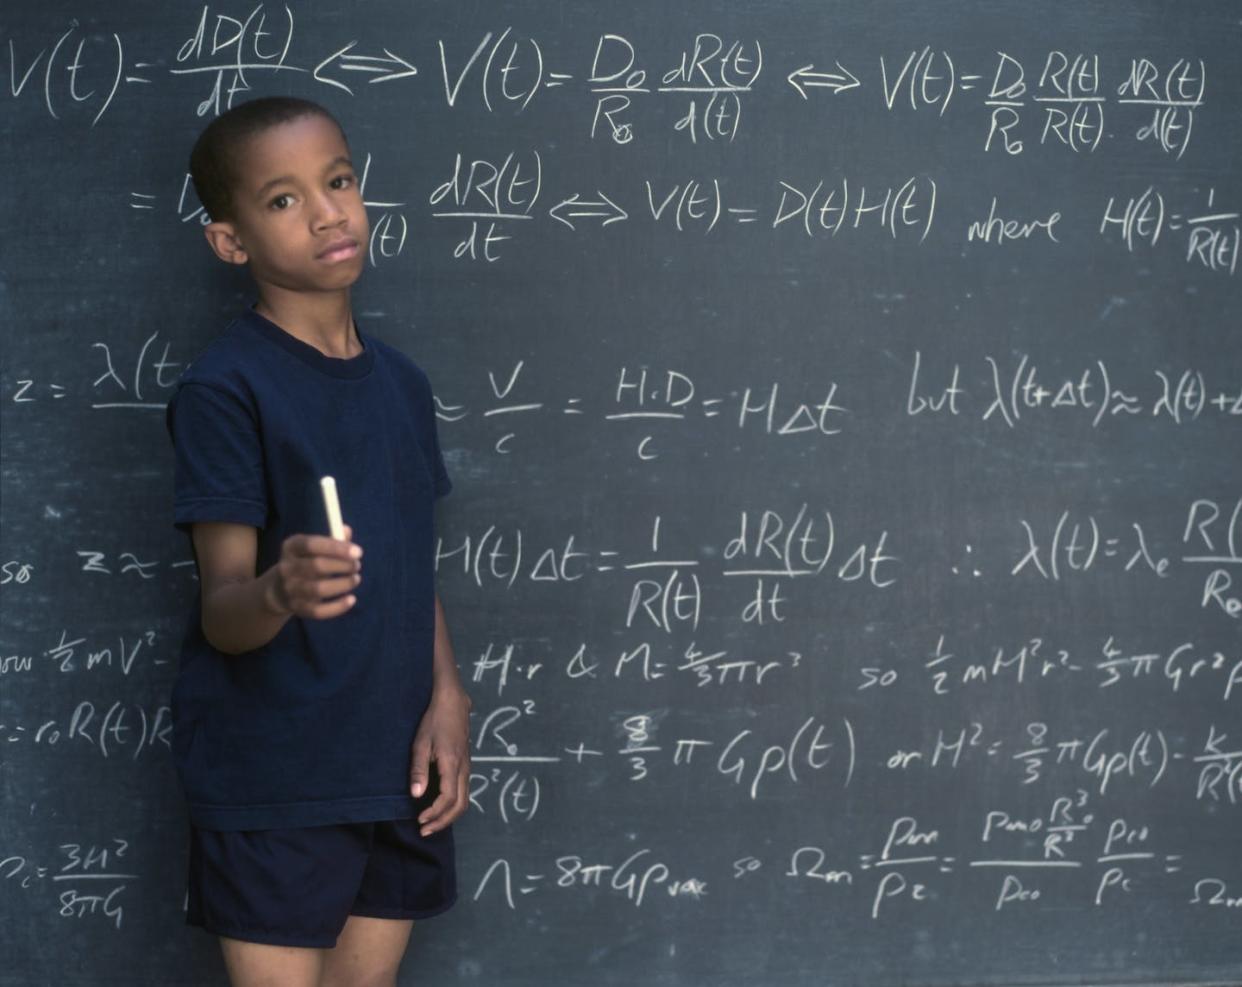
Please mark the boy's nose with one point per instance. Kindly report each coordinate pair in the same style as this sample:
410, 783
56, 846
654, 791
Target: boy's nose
328, 212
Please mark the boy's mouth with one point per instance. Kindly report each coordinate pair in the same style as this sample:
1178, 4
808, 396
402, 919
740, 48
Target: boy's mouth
338, 250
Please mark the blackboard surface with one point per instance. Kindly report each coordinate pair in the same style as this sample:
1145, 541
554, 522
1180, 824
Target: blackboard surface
843, 402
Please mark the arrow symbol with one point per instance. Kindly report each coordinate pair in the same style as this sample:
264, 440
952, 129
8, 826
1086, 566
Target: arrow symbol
575, 207
385, 68
824, 80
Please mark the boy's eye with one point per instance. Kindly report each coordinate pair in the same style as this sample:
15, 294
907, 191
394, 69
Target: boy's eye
282, 201
342, 181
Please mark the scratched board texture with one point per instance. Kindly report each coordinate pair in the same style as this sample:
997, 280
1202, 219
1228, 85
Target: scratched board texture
843, 403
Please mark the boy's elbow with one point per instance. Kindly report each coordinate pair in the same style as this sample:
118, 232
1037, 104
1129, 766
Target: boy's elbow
224, 621
215, 640
219, 625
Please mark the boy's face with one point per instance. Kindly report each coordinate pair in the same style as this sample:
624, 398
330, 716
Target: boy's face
298, 217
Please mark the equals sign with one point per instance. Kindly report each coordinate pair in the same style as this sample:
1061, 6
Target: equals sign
606, 568
556, 79
747, 215
138, 78
572, 411
1175, 221
1169, 866
531, 877
946, 864
139, 201
711, 414
962, 85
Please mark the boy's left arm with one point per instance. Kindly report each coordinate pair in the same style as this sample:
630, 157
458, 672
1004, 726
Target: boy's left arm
444, 737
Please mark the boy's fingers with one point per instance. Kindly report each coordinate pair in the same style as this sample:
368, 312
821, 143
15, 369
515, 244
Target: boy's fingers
323, 611
431, 814
450, 812
308, 586
434, 817
428, 819
322, 565
329, 588
463, 790
300, 544
418, 768
449, 805
323, 545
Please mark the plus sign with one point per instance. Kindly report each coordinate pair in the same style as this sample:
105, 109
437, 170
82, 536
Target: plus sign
581, 751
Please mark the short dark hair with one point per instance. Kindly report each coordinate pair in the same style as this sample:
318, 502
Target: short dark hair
215, 157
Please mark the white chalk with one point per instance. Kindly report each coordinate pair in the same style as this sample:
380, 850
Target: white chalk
333, 506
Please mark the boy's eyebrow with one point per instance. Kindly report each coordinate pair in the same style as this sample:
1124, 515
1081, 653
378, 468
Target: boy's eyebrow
340, 159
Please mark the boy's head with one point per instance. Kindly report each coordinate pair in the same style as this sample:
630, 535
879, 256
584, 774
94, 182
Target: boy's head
275, 177
217, 161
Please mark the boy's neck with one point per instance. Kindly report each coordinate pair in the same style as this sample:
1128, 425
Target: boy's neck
322, 321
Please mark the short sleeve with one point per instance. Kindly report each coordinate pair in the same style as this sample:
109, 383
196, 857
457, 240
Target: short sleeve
440, 475
219, 459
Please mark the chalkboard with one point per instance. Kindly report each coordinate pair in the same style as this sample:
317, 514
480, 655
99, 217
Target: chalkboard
843, 403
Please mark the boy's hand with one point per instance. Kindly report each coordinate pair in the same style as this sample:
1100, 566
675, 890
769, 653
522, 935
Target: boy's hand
313, 568
444, 737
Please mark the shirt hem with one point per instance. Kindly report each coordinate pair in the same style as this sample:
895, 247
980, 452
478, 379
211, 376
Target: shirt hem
285, 815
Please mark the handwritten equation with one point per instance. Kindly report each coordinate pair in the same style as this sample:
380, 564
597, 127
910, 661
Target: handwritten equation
703, 86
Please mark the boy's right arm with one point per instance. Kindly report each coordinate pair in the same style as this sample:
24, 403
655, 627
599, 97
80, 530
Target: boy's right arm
243, 610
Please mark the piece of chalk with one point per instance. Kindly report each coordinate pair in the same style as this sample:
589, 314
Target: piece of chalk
333, 506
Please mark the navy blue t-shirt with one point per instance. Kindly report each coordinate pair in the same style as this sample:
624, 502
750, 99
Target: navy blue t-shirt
315, 727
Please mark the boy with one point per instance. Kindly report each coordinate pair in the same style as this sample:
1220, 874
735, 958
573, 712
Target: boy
320, 726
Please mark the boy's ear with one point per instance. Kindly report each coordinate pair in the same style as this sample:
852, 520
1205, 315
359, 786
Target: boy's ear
224, 241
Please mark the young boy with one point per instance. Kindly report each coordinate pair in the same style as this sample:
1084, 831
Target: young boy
320, 725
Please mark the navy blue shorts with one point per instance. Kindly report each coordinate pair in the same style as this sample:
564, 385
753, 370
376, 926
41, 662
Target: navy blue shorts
296, 887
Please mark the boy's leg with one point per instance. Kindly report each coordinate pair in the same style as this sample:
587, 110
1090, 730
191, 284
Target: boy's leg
255, 964
367, 953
